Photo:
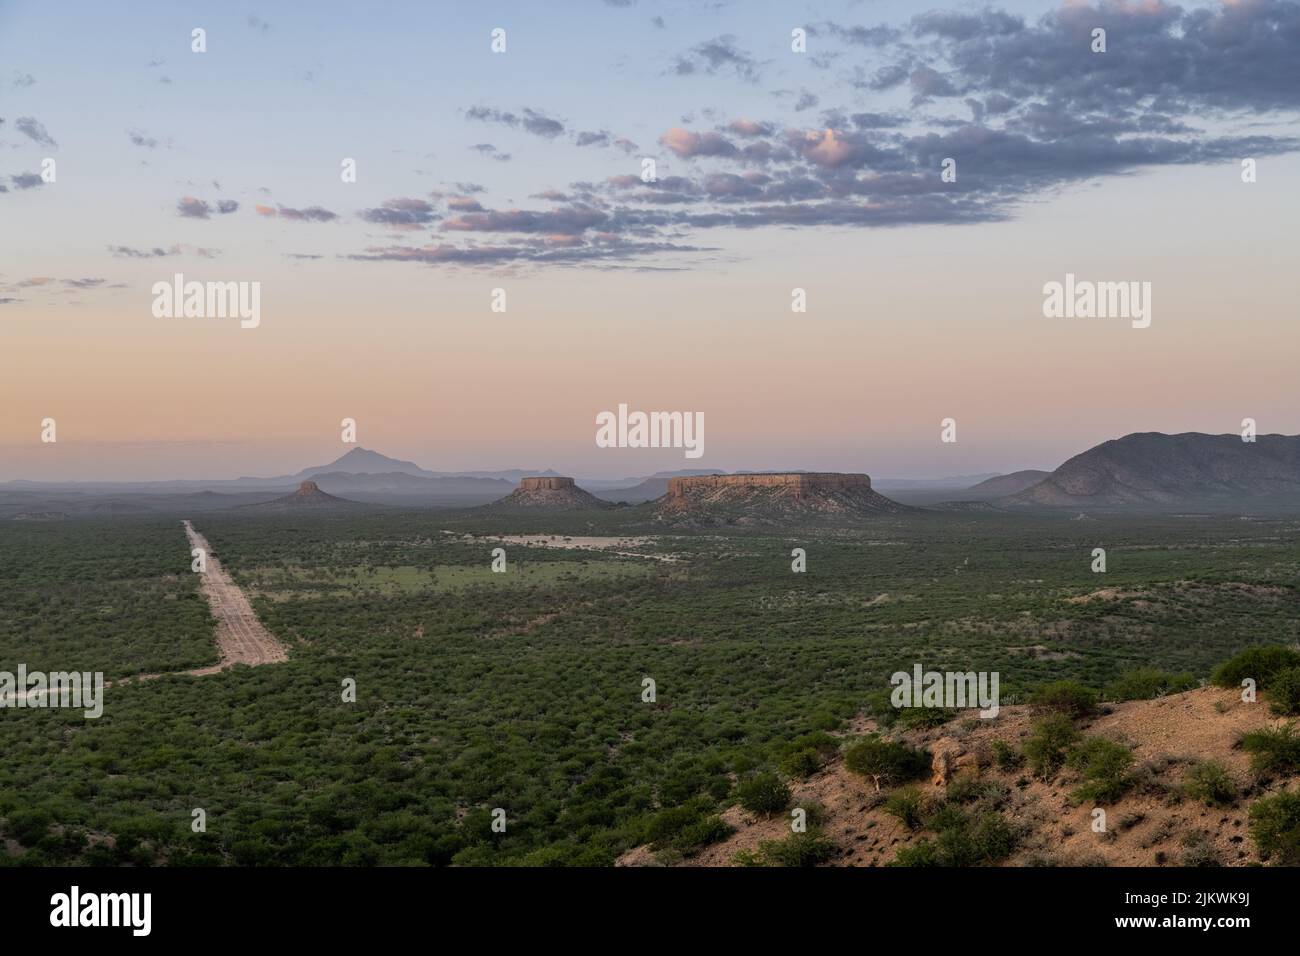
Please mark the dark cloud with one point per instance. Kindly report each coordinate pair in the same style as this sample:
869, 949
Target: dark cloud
407, 213
530, 120
720, 54
26, 180
191, 207
490, 151
140, 138
1025, 108
33, 130
309, 214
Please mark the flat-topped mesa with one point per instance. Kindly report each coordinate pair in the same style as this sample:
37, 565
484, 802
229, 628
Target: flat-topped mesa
545, 484
796, 483
557, 492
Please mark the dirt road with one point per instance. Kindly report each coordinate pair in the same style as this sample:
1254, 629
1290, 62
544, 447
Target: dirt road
241, 638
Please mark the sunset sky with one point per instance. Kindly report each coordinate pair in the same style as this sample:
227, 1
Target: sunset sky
522, 171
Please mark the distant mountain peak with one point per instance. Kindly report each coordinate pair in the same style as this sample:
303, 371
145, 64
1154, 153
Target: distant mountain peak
364, 461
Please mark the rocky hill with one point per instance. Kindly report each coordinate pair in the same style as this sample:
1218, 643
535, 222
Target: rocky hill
549, 493
308, 495
1151, 470
977, 769
771, 498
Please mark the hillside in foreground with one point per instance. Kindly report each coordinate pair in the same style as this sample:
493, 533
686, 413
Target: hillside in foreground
977, 794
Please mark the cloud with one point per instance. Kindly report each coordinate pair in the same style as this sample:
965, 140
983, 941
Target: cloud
530, 120
490, 151
33, 129
258, 24
22, 80
687, 144
718, 55
408, 213
308, 214
190, 207
26, 180
1024, 107
140, 138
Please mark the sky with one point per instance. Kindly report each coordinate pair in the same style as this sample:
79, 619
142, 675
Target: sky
522, 171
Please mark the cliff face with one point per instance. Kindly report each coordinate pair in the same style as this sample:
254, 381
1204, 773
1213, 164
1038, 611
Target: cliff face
556, 493
545, 484
797, 484
771, 498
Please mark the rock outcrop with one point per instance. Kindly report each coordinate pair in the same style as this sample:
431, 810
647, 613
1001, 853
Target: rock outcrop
555, 493
308, 495
771, 497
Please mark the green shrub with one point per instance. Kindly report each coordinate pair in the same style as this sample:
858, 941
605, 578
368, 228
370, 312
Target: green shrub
909, 805
686, 829
805, 755
1275, 825
1105, 767
799, 849
1257, 663
923, 717
1198, 850
1284, 691
1049, 739
1273, 750
888, 762
924, 853
1147, 683
962, 839
1067, 697
764, 794
1209, 782
1005, 756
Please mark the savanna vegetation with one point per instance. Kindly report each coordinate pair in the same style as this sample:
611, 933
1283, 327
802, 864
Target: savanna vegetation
525, 691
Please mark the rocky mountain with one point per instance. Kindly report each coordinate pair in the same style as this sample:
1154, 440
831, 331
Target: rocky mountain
1163, 472
308, 495
1000, 486
757, 499
559, 493
363, 461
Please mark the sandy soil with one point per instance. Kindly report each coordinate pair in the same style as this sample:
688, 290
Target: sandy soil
241, 638
1146, 827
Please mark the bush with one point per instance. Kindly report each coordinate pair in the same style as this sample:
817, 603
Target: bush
1209, 782
764, 794
962, 840
1105, 767
1273, 750
888, 762
1275, 825
1050, 739
909, 805
1258, 663
1198, 850
1284, 691
805, 755
799, 849
1147, 683
686, 829
1067, 697
1005, 756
